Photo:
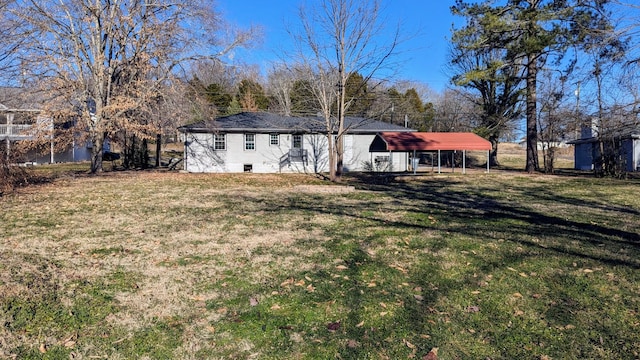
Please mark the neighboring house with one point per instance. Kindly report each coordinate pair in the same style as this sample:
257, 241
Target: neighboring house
627, 141
268, 143
544, 145
27, 124
22, 119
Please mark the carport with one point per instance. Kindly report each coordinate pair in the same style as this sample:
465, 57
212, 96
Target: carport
431, 141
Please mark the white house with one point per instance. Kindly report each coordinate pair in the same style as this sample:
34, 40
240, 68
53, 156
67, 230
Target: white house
27, 124
22, 120
268, 143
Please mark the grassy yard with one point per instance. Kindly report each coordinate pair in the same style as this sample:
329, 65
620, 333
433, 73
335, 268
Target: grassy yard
481, 266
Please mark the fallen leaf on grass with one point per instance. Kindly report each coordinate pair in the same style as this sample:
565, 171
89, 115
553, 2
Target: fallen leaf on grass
70, 341
587, 271
222, 311
473, 309
360, 324
253, 301
334, 326
43, 348
341, 267
418, 297
275, 307
399, 268
517, 295
352, 344
412, 347
432, 355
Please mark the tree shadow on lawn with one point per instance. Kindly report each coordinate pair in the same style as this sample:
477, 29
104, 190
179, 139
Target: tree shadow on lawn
472, 213
475, 212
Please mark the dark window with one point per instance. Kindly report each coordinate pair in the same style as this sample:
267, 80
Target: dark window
219, 142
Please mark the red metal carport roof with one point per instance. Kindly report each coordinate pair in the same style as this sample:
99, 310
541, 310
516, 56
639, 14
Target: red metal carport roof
432, 141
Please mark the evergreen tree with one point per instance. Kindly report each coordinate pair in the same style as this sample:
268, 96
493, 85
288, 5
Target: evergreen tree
216, 94
529, 32
251, 96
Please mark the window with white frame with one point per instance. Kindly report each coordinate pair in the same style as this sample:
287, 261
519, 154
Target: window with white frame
219, 142
249, 141
382, 160
274, 139
296, 142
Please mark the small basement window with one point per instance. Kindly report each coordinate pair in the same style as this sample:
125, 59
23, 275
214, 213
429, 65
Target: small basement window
248, 168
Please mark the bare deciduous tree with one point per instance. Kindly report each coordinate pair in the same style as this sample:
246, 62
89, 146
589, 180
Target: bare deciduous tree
111, 60
280, 86
456, 110
340, 38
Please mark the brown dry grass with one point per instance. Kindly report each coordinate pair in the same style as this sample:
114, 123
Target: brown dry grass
176, 232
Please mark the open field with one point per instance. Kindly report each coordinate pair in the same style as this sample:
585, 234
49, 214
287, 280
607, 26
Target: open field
163, 265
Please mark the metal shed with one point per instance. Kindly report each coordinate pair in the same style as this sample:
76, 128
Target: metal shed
431, 141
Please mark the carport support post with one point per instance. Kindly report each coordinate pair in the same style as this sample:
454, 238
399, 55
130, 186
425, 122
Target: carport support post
414, 163
464, 161
488, 155
439, 162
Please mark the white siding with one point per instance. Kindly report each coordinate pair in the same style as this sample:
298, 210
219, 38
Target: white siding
636, 155
200, 156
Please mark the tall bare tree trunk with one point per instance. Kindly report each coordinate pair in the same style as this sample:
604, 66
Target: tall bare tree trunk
96, 153
532, 123
158, 148
332, 156
493, 155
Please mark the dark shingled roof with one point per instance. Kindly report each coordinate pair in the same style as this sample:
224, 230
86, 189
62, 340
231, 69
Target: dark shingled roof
268, 122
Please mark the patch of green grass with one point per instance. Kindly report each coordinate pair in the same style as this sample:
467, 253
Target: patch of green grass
185, 261
113, 251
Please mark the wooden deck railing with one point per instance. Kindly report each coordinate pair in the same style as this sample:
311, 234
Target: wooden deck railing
293, 155
15, 131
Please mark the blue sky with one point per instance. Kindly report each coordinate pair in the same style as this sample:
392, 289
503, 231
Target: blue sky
424, 57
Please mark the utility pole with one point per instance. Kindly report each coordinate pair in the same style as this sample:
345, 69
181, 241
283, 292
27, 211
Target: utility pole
578, 128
